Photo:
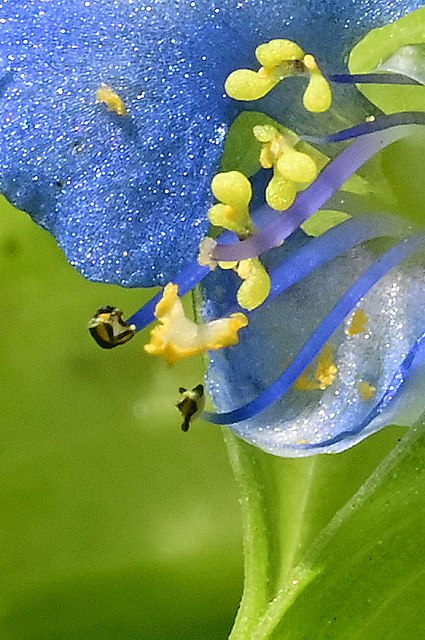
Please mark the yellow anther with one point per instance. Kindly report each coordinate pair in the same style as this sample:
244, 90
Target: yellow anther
367, 391
357, 323
293, 170
256, 286
234, 191
113, 101
244, 84
273, 53
264, 132
324, 375
318, 95
280, 193
178, 337
296, 166
278, 59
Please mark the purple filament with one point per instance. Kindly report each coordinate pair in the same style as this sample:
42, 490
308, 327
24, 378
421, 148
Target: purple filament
319, 251
315, 254
373, 138
372, 78
324, 331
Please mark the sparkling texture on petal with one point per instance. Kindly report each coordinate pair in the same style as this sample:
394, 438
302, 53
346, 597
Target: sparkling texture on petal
371, 364
127, 195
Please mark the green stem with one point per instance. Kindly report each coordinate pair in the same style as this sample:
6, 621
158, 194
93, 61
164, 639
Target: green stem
246, 466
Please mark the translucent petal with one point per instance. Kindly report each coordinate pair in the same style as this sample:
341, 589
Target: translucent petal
387, 358
127, 196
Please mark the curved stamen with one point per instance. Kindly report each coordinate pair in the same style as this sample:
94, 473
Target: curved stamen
333, 176
324, 331
323, 249
307, 259
372, 78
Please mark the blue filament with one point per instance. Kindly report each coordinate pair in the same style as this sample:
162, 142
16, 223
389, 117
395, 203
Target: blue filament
365, 128
373, 137
318, 252
372, 78
324, 331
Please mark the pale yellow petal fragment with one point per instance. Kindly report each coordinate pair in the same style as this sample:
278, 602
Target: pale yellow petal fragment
246, 85
111, 99
367, 391
178, 337
273, 53
357, 323
206, 249
318, 95
256, 286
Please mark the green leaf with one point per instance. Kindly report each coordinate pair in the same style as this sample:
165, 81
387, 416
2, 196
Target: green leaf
367, 567
242, 149
380, 45
115, 525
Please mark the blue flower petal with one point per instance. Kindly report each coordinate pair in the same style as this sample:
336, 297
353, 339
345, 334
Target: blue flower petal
384, 355
126, 197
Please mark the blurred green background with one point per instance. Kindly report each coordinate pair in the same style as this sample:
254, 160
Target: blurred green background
114, 524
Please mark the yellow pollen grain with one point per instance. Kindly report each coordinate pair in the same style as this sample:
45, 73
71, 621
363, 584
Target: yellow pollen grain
367, 391
358, 323
111, 99
324, 375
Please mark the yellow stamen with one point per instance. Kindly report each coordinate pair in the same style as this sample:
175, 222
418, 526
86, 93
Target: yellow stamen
179, 337
256, 286
367, 391
357, 323
324, 375
293, 170
280, 59
318, 95
113, 101
234, 192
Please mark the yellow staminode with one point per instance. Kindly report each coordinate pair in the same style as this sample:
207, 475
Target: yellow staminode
256, 286
318, 95
366, 390
178, 337
234, 192
357, 324
323, 376
293, 170
280, 59
113, 101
